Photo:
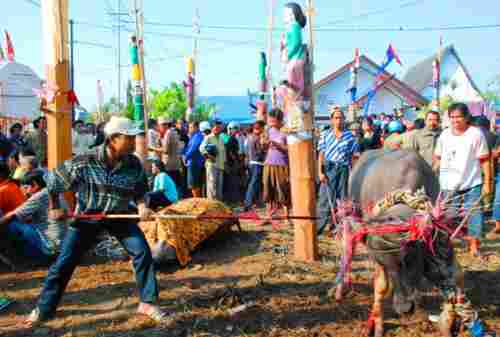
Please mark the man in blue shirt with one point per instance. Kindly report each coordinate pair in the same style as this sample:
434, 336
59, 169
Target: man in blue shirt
337, 147
194, 160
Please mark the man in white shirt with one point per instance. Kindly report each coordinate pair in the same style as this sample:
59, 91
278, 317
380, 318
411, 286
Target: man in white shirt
81, 139
154, 140
462, 156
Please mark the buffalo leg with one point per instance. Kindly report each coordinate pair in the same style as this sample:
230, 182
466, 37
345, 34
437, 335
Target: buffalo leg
382, 288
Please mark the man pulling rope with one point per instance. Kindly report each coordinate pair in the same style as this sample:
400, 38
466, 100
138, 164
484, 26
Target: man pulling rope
104, 182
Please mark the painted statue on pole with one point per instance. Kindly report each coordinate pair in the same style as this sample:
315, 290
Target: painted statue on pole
189, 86
292, 91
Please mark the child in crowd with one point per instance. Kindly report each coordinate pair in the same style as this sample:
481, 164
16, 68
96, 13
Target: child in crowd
164, 190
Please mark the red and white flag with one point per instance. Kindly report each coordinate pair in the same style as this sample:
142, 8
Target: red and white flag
9, 47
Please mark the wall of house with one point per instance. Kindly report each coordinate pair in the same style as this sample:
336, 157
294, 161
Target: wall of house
455, 82
334, 92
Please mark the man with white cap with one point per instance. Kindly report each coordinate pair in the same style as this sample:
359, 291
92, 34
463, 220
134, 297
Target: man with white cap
105, 182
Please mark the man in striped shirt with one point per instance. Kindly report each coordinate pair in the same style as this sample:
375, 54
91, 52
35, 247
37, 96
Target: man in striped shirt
337, 147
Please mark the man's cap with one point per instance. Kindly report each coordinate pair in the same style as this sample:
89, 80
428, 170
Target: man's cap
395, 126
121, 126
205, 126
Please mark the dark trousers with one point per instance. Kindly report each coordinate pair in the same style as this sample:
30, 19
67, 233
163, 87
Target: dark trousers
335, 189
155, 200
254, 188
79, 238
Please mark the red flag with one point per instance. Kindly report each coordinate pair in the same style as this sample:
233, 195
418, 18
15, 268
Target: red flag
9, 47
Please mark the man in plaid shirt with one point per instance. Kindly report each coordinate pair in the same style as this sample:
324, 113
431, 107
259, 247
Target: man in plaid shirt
104, 182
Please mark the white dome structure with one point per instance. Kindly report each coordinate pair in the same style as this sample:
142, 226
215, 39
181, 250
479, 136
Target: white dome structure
17, 96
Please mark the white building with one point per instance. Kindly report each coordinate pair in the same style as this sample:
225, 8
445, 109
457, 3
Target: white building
17, 98
392, 93
456, 81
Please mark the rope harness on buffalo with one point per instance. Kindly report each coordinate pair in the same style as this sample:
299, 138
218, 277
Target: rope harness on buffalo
423, 243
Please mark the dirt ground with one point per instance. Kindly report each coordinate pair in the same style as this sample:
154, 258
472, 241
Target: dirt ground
253, 266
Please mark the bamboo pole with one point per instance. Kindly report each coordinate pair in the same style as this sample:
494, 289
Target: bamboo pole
55, 33
302, 173
139, 80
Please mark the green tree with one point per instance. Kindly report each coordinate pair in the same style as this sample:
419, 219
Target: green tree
492, 94
444, 103
171, 102
110, 108
128, 110
204, 111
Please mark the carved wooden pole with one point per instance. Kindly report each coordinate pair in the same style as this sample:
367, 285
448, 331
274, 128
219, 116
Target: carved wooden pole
302, 172
55, 37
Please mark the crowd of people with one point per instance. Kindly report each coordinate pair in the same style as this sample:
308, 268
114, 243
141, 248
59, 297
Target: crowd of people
247, 168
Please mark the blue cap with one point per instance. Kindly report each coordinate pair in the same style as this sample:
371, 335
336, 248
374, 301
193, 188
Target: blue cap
395, 126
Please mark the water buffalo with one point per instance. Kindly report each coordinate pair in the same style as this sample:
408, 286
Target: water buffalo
379, 172
376, 174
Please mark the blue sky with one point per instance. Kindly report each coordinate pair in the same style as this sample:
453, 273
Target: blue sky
229, 58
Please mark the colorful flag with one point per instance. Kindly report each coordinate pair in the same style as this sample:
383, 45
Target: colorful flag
390, 56
2, 56
9, 47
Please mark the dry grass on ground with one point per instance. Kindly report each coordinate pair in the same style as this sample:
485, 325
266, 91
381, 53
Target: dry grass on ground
252, 266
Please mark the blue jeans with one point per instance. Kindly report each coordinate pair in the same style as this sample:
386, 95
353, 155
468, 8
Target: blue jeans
496, 203
80, 237
466, 200
29, 241
335, 189
254, 188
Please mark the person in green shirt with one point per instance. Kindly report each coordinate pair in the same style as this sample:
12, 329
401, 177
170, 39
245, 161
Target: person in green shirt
394, 140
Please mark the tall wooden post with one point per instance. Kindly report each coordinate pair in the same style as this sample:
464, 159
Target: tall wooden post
302, 172
55, 33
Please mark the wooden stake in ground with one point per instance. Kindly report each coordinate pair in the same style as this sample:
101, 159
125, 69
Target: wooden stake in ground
55, 37
300, 146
